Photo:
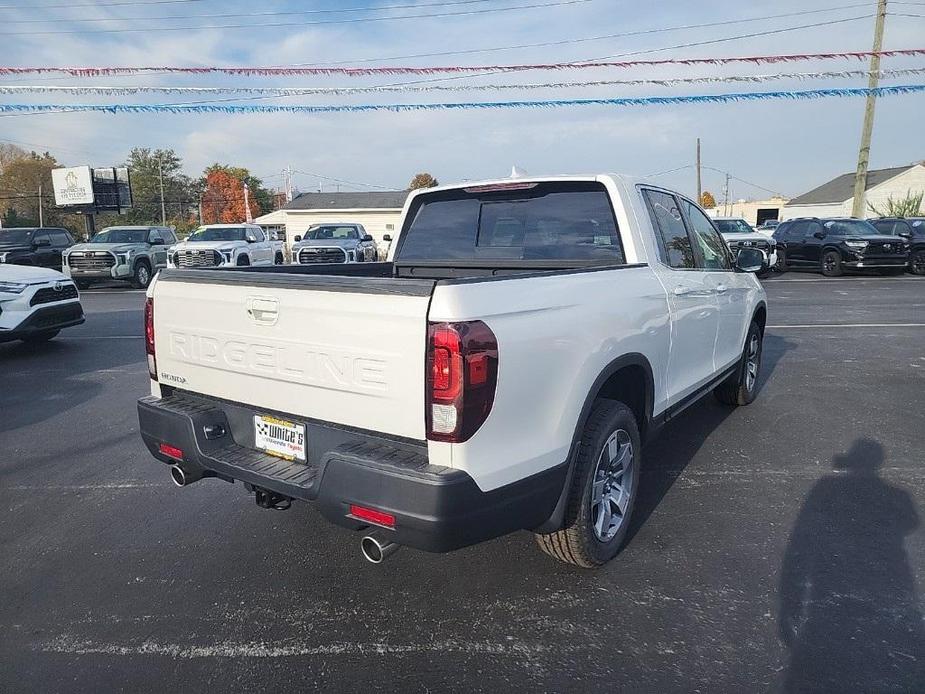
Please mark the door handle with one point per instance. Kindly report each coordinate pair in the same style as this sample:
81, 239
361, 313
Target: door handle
721, 289
682, 291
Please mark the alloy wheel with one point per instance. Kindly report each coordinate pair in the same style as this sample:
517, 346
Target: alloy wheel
612, 485
752, 362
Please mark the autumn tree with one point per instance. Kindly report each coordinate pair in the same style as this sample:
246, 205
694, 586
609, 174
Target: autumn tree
707, 200
423, 180
22, 175
223, 195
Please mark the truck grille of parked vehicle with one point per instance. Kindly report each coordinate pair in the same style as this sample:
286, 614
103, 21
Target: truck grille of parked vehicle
761, 245
91, 260
322, 255
197, 258
49, 294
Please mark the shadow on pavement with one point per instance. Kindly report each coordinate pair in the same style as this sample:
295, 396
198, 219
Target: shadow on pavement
849, 612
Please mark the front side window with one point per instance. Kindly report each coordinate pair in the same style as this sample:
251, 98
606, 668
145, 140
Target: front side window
675, 246
710, 244
60, 238
555, 221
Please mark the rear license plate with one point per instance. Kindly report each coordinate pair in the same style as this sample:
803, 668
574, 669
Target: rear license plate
279, 437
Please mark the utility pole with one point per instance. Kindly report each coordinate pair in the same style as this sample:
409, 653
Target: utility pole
288, 173
860, 178
41, 215
160, 176
726, 197
699, 186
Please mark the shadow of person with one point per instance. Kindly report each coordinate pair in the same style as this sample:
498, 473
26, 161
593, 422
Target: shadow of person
848, 607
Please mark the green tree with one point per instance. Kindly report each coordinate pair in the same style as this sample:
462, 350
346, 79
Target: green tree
181, 193
22, 175
909, 206
423, 180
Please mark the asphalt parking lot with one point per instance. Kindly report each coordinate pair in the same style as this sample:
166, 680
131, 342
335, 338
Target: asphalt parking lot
774, 547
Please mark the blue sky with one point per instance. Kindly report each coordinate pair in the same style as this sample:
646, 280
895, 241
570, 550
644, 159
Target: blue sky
781, 146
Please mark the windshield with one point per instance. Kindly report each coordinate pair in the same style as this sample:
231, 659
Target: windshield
733, 226
535, 222
850, 227
332, 232
16, 236
218, 234
117, 235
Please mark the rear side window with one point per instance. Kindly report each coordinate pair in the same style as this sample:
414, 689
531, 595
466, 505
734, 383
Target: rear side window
674, 245
546, 221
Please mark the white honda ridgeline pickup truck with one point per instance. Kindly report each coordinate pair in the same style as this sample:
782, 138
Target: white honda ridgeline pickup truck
500, 371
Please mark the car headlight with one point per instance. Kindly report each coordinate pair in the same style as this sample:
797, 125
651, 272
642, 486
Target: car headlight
12, 287
227, 253
124, 257
856, 245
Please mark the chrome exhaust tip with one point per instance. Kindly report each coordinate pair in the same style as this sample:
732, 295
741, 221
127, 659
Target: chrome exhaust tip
178, 476
377, 550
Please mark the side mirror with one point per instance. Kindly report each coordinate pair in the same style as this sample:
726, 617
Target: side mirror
367, 238
296, 239
819, 234
906, 234
40, 243
751, 260
250, 238
387, 238
157, 242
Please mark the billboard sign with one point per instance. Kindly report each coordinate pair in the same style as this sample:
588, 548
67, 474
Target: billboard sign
73, 186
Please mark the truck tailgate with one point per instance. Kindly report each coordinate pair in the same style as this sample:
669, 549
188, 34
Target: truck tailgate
343, 350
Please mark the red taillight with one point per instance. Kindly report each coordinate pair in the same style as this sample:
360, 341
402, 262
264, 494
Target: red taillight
171, 451
463, 371
149, 337
371, 515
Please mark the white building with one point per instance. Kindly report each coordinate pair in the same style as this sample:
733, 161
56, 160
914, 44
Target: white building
834, 199
378, 212
755, 212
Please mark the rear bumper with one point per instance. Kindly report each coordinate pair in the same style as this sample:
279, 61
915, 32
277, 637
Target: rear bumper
436, 508
45, 319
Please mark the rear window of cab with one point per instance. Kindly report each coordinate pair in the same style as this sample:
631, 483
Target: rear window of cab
557, 221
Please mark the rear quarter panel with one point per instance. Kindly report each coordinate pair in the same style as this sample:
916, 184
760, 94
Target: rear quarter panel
555, 335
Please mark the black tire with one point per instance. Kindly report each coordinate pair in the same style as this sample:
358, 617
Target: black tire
917, 262
577, 542
278, 259
243, 261
742, 386
141, 277
82, 284
781, 264
43, 336
830, 264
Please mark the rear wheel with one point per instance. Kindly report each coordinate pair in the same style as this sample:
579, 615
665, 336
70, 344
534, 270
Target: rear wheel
781, 264
43, 336
917, 265
741, 387
831, 264
603, 489
142, 276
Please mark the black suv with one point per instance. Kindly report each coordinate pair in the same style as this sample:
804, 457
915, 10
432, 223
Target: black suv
912, 229
41, 246
835, 245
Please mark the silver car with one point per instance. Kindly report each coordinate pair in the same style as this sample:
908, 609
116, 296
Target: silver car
334, 243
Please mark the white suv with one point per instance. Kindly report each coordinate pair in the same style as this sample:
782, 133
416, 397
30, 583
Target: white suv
36, 303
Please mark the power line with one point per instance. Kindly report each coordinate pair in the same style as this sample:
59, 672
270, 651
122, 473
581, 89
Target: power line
585, 39
356, 20
279, 13
340, 180
98, 4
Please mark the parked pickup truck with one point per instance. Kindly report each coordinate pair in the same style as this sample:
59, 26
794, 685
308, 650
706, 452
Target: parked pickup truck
217, 245
500, 371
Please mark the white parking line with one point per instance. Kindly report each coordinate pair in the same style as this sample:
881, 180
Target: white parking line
849, 325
